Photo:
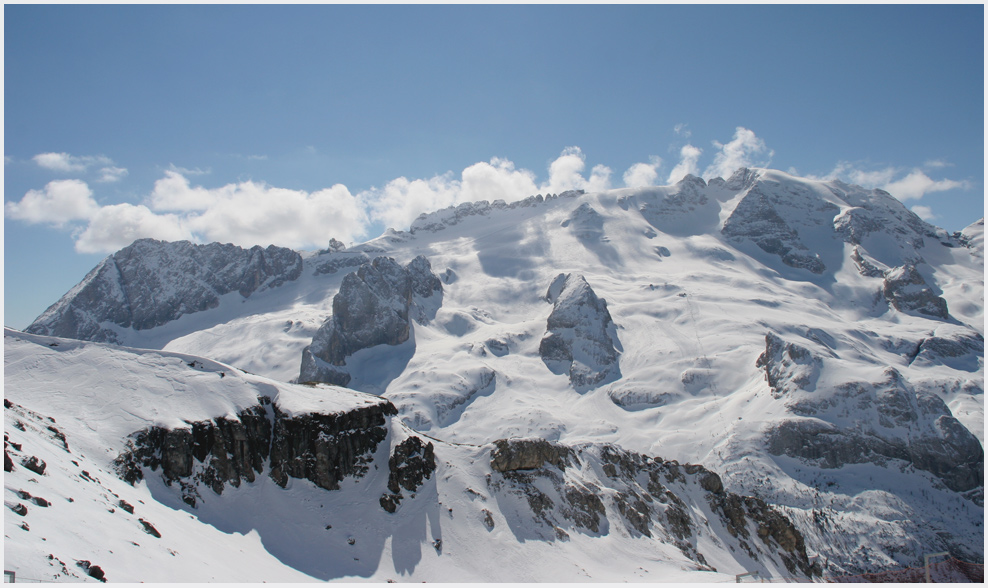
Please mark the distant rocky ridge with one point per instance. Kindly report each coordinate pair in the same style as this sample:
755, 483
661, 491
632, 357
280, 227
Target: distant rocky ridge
150, 283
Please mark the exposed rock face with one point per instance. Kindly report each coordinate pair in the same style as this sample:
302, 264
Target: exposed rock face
375, 306
322, 448
891, 422
511, 455
150, 283
788, 366
577, 340
410, 464
906, 290
756, 219
957, 347
326, 448
865, 267
688, 211
590, 487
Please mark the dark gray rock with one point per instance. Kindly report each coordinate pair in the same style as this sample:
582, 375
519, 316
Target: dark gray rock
35, 464
321, 448
375, 306
906, 290
510, 455
150, 283
577, 339
410, 464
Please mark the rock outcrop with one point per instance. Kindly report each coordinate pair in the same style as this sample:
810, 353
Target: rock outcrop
757, 219
577, 339
891, 421
688, 211
411, 463
788, 366
906, 290
321, 448
589, 488
375, 306
150, 283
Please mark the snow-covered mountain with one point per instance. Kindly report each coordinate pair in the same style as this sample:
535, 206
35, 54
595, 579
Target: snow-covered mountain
816, 346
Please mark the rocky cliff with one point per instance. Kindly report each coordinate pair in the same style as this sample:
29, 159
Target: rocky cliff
321, 448
375, 306
577, 339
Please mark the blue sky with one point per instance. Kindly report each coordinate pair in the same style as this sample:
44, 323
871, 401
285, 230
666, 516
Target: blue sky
291, 125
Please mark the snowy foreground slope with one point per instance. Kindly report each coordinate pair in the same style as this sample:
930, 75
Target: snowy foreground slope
815, 344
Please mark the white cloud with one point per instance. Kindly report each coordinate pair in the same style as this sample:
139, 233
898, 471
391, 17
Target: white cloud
60, 202
739, 152
189, 172
643, 174
402, 200
566, 173
250, 213
688, 157
682, 131
111, 174
924, 212
936, 164
118, 225
173, 192
497, 180
915, 185
64, 162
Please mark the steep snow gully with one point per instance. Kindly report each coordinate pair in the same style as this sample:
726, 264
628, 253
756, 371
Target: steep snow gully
518, 391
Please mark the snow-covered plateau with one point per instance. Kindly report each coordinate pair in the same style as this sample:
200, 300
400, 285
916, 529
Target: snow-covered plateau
682, 383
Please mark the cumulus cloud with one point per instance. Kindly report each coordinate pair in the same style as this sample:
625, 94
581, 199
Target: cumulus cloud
115, 226
924, 212
66, 163
688, 158
402, 200
173, 192
566, 173
913, 186
916, 184
640, 175
61, 202
741, 151
252, 213
497, 180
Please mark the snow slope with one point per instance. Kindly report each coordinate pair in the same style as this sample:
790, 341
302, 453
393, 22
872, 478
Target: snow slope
698, 278
73, 405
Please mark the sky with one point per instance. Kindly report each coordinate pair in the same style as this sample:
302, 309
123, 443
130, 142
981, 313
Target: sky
291, 125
